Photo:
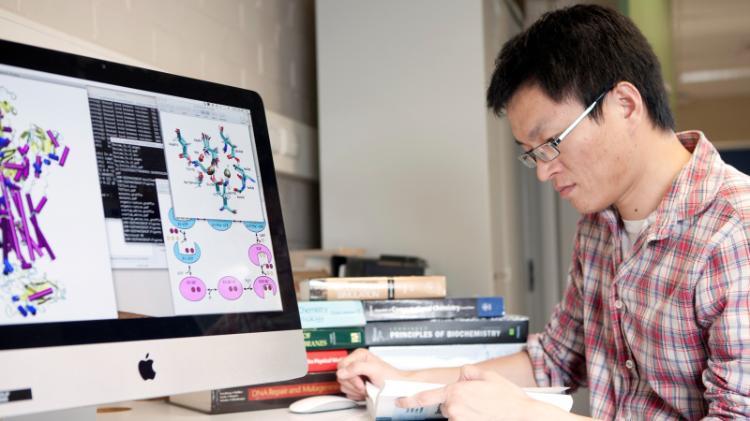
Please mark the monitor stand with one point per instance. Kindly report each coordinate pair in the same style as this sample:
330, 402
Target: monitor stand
87, 413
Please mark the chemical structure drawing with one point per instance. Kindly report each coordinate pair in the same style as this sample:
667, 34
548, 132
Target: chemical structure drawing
221, 171
26, 159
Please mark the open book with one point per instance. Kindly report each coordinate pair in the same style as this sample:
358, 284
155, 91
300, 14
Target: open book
381, 403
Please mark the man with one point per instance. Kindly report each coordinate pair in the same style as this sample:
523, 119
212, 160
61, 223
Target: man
655, 319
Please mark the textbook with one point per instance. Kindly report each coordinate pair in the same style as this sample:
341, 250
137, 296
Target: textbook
334, 338
372, 288
316, 314
418, 357
385, 265
381, 403
259, 397
444, 308
508, 329
318, 361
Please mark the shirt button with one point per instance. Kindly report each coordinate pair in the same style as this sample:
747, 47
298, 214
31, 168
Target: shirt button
618, 304
629, 364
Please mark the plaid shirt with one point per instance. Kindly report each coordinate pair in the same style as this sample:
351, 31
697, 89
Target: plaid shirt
665, 333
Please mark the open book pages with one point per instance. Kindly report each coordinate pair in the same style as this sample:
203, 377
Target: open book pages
381, 403
552, 395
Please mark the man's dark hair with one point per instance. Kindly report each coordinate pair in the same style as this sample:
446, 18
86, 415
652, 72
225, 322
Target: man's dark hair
578, 53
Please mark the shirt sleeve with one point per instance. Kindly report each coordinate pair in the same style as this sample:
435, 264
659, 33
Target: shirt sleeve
557, 355
723, 309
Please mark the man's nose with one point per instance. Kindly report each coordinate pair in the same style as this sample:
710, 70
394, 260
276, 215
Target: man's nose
544, 170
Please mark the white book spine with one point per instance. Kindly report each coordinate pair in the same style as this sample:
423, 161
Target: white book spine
428, 356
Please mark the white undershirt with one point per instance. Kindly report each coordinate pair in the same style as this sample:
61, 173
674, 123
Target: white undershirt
634, 228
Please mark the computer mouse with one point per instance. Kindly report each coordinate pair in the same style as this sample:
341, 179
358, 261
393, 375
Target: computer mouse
322, 404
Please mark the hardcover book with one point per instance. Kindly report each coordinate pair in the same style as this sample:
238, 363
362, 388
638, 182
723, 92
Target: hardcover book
445, 308
334, 338
318, 361
372, 288
259, 397
508, 329
317, 314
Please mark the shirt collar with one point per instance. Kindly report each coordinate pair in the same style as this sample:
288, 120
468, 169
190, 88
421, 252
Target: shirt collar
695, 187
697, 184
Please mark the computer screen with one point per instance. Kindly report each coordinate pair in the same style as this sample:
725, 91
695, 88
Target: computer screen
143, 244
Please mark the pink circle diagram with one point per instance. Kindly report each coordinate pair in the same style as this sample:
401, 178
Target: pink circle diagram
256, 250
230, 288
263, 285
192, 288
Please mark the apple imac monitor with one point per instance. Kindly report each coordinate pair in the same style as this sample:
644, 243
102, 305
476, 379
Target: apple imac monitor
142, 238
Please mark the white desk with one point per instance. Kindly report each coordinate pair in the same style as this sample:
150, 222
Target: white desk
163, 411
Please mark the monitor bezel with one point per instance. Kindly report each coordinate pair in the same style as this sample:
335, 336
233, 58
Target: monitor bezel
37, 335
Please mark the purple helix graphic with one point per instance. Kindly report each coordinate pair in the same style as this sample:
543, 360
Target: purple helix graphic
24, 159
256, 250
230, 288
263, 285
193, 288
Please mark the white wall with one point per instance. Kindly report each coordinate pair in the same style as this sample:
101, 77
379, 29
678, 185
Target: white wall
264, 45
404, 153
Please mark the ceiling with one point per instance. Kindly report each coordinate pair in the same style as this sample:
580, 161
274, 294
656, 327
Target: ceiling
711, 53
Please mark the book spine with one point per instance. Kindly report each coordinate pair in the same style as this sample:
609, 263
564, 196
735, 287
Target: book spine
447, 308
273, 395
318, 361
418, 357
317, 314
334, 338
373, 288
434, 332
310, 385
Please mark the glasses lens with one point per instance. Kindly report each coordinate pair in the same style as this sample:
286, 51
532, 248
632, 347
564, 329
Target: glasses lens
527, 160
546, 152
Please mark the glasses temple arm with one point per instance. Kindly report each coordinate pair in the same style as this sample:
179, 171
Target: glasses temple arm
578, 120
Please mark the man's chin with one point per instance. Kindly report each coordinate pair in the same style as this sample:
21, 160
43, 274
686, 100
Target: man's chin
585, 207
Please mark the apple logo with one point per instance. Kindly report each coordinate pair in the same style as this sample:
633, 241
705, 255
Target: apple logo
146, 368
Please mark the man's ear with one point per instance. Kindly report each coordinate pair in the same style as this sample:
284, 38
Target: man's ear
628, 105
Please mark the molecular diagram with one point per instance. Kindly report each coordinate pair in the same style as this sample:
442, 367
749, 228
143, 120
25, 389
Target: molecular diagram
209, 163
193, 287
24, 159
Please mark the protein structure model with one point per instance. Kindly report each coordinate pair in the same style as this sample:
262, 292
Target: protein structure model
25, 159
221, 171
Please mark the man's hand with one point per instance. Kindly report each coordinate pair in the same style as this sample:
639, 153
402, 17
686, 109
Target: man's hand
478, 395
359, 366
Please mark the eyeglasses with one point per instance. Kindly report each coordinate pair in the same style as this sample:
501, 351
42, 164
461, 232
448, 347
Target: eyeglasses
549, 150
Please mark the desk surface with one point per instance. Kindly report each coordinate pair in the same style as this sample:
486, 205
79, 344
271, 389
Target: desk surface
160, 410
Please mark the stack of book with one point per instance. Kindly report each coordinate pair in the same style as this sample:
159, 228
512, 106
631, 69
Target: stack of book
333, 318
405, 320
411, 325
448, 332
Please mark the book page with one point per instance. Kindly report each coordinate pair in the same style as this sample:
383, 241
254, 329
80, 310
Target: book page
381, 403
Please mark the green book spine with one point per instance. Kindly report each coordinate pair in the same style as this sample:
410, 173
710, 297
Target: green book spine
334, 338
